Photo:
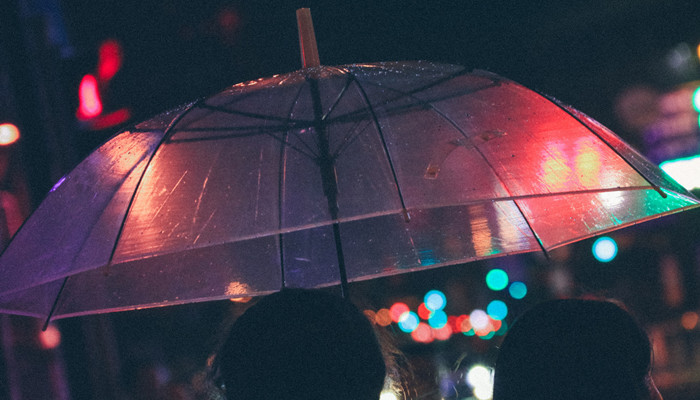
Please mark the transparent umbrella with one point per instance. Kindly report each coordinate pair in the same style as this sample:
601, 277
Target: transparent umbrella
320, 177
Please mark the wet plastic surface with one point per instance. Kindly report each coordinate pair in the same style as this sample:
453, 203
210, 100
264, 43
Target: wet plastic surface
225, 197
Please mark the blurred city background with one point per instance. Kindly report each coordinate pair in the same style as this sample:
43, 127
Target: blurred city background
72, 72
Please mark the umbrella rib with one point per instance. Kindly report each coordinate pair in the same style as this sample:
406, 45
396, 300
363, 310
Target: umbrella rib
55, 304
168, 131
370, 108
402, 108
253, 115
240, 135
345, 88
463, 133
351, 139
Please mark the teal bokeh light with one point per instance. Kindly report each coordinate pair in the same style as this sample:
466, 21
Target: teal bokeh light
497, 310
408, 322
517, 290
604, 249
435, 300
497, 279
438, 319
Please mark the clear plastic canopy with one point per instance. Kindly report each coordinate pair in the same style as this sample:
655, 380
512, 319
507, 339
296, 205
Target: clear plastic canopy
432, 165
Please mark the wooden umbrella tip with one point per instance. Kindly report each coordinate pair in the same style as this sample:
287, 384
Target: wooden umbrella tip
307, 39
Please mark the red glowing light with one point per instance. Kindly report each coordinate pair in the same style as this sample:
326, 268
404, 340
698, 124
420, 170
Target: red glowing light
109, 60
423, 333
462, 324
443, 333
397, 309
9, 133
424, 312
89, 96
50, 338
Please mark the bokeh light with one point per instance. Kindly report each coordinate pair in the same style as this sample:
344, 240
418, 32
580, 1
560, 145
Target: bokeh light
480, 379
497, 310
689, 320
50, 338
397, 309
383, 317
604, 249
497, 279
408, 322
388, 395
435, 300
503, 329
423, 333
479, 320
423, 312
517, 290
438, 319
9, 133
444, 333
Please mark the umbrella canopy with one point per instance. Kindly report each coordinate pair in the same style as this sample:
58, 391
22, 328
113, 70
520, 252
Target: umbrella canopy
401, 166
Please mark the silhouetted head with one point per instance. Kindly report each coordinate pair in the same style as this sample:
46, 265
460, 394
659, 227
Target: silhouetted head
575, 350
302, 344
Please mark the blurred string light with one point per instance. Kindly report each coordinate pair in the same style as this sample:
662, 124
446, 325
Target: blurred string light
383, 317
444, 333
9, 134
430, 322
438, 319
480, 380
684, 170
435, 300
408, 322
604, 249
517, 290
424, 312
497, 310
423, 333
397, 309
497, 279
479, 320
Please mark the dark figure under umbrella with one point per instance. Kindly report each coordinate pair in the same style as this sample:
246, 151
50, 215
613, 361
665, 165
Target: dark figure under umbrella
301, 344
575, 350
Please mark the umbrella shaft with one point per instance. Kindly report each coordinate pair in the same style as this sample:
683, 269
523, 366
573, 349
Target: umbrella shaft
326, 163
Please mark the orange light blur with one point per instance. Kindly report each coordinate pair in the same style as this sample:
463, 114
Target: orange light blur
241, 299
383, 317
689, 320
9, 133
89, 97
50, 338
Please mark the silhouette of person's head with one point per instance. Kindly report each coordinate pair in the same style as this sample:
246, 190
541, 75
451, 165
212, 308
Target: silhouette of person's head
575, 350
302, 344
